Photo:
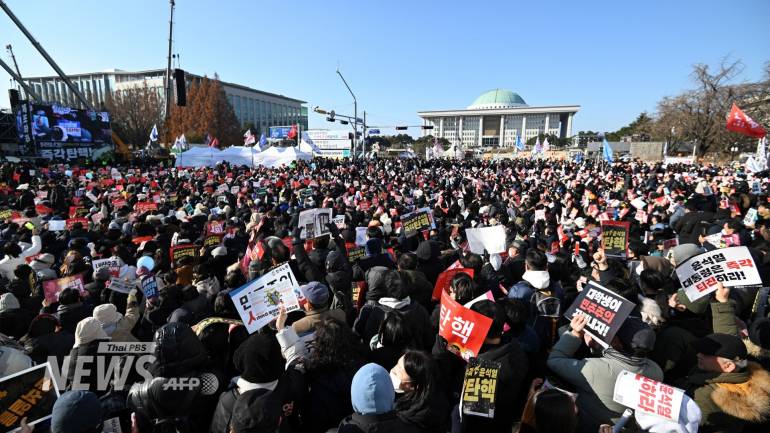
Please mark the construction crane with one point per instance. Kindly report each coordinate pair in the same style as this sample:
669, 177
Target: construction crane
121, 147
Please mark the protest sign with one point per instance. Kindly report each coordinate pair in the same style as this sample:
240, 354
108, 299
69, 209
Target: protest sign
606, 311
463, 329
179, 251
491, 239
119, 203
52, 288
355, 253
145, 206
339, 221
149, 286
750, 218
361, 236
421, 219
733, 240
57, 225
5, 214
30, 393
111, 263
215, 228
648, 396
479, 387
77, 211
733, 267
670, 243
615, 238
121, 285
715, 239
212, 240
313, 222
445, 279
258, 301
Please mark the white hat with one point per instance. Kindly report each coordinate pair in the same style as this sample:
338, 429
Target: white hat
8, 302
23, 186
219, 251
88, 330
107, 314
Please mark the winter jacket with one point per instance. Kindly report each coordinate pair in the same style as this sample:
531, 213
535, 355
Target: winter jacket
594, 379
70, 315
57, 344
14, 321
729, 400
372, 314
306, 325
418, 288
9, 264
122, 330
386, 423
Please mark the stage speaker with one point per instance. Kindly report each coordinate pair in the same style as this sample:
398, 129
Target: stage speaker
181, 88
13, 96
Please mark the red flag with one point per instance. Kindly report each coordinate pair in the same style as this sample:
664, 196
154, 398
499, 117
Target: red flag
738, 121
215, 142
292, 133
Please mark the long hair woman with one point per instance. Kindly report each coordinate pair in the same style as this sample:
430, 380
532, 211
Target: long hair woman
418, 399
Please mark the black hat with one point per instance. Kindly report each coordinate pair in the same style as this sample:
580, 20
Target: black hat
721, 345
259, 359
636, 335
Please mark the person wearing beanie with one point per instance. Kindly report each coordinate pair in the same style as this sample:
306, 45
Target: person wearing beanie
594, 378
683, 253
71, 309
373, 399
88, 335
77, 412
261, 366
14, 320
117, 326
42, 265
316, 308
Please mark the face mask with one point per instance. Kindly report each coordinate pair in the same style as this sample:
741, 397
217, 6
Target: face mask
396, 382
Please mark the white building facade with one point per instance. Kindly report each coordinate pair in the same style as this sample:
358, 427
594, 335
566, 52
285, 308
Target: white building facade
497, 118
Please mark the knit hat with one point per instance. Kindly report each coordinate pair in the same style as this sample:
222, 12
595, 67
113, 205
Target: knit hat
13, 361
684, 252
88, 330
316, 293
107, 314
42, 261
8, 302
371, 391
76, 411
259, 359
636, 335
219, 251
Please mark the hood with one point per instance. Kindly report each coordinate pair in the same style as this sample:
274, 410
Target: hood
371, 391
383, 282
428, 250
684, 252
373, 246
177, 350
750, 400
88, 330
538, 279
335, 262
8, 302
659, 264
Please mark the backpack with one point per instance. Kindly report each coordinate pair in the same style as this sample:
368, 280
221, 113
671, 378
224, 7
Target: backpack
545, 311
341, 301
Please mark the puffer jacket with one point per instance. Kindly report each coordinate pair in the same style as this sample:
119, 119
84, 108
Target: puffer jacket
418, 287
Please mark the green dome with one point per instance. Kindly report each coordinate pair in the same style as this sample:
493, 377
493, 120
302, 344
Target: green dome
497, 98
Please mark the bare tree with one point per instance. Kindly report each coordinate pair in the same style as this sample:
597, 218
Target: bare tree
699, 115
134, 111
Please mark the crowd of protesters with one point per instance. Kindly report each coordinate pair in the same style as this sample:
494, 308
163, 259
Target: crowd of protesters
364, 354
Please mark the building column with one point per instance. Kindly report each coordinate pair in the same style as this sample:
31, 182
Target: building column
43, 90
460, 132
547, 121
569, 125
501, 143
481, 130
441, 127
523, 131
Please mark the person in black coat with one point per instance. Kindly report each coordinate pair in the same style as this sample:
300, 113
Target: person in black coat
14, 320
375, 257
43, 340
71, 309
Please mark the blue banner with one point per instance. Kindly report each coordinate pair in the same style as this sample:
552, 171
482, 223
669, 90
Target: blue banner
279, 131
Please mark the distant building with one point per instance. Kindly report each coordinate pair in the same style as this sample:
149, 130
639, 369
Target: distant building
260, 108
496, 118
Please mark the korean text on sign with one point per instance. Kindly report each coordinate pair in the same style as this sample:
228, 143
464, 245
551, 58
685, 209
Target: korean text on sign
479, 387
648, 396
733, 267
606, 312
464, 329
258, 302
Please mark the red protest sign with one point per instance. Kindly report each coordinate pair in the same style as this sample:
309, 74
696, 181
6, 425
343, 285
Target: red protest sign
76, 211
52, 288
119, 203
43, 210
464, 330
145, 206
139, 240
215, 228
72, 221
445, 279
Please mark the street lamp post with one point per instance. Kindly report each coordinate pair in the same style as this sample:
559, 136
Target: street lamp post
355, 115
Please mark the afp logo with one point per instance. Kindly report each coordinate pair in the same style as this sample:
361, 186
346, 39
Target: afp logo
207, 383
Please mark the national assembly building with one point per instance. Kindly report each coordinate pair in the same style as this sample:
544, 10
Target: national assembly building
496, 118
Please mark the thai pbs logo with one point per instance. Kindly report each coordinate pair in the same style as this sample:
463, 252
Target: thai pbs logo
116, 366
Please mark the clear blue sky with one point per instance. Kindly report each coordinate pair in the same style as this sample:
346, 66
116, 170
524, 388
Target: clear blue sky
614, 58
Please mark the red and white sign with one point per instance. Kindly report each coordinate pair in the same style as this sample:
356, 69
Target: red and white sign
733, 267
465, 330
648, 396
445, 279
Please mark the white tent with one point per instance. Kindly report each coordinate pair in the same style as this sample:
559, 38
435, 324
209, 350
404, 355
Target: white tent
278, 156
198, 157
240, 155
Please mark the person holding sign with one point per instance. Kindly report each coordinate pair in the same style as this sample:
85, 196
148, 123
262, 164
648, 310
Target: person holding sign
594, 378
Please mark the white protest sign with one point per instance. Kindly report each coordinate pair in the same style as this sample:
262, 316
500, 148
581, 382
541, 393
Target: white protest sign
313, 222
750, 218
361, 236
57, 225
121, 285
491, 239
91, 197
733, 267
339, 221
258, 302
648, 396
639, 203
540, 214
111, 262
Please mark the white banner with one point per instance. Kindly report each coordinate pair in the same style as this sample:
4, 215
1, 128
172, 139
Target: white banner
313, 222
111, 262
732, 267
491, 239
648, 396
258, 302
57, 225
